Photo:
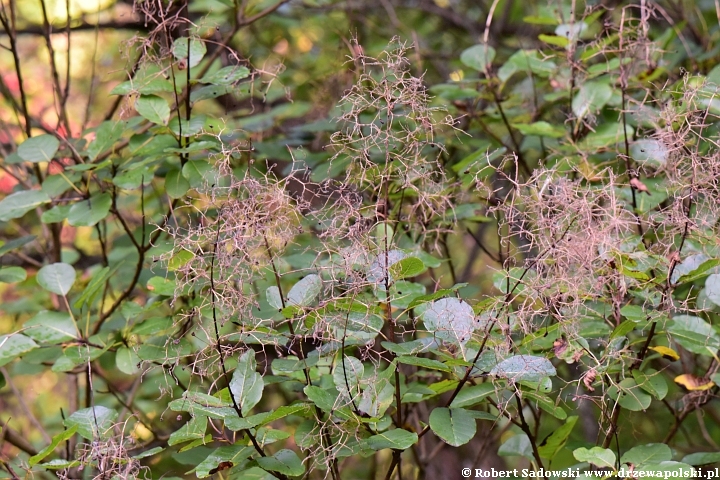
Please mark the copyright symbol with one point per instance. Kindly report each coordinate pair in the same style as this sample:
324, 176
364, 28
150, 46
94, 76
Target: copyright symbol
466, 472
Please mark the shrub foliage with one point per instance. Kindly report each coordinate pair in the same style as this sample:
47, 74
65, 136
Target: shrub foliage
510, 254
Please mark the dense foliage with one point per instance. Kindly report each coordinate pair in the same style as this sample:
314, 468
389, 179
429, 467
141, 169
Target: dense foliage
285, 239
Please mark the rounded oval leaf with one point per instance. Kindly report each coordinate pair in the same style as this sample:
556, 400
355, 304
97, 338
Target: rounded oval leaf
598, 456
649, 151
87, 213
192, 47
39, 149
305, 291
591, 97
153, 108
51, 327
176, 185
397, 439
93, 423
12, 274
18, 204
450, 319
57, 278
455, 426
478, 57
14, 345
524, 368
127, 360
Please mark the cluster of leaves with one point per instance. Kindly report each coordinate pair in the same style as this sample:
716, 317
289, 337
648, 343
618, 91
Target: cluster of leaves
242, 297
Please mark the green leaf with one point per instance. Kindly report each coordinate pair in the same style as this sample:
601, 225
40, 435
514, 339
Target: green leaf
598, 456
646, 454
407, 267
607, 135
55, 185
541, 129
51, 327
93, 423
544, 402
11, 245
557, 440
423, 362
197, 172
526, 61
667, 469
623, 329
127, 360
554, 40
629, 395
246, 384
694, 334
204, 407
189, 129
591, 98
517, 445
454, 426
701, 458
348, 374
56, 214
12, 274
321, 397
284, 461
689, 272
13, 346
302, 409
450, 319
161, 286
211, 91
652, 382
95, 285
397, 439
445, 292
471, 396
649, 152
478, 57
133, 178
226, 75
106, 135
153, 108
197, 50
179, 259
234, 454
56, 440
59, 464
145, 86
254, 473
359, 326
39, 149
192, 430
524, 368
57, 278
176, 185
634, 313
712, 288
571, 31
273, 297
305, 291
148, 453
236, 423
402, 293
18, 204
540, 20
87, 213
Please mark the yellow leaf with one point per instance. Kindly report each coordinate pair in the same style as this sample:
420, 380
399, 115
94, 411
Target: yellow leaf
693, 383
666, 352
